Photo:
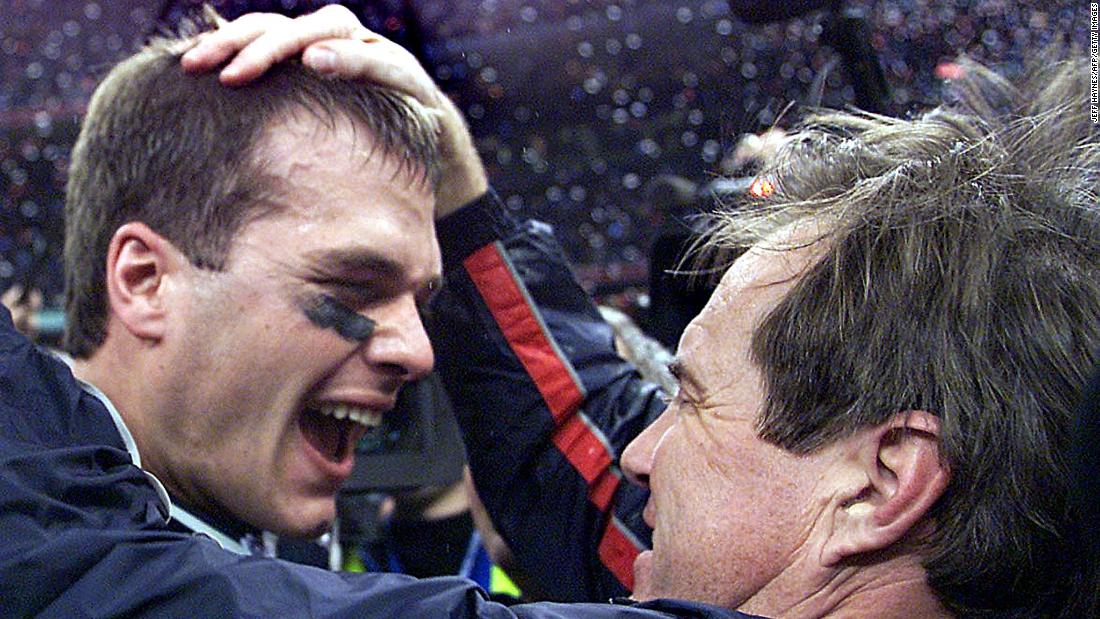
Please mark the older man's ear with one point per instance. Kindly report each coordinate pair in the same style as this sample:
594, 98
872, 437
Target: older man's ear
893, 476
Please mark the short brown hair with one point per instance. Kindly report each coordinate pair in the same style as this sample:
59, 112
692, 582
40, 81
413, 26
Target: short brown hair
177, 152
962, 277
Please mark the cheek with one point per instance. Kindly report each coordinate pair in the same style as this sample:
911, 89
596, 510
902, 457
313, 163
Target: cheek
689, 488
716, 487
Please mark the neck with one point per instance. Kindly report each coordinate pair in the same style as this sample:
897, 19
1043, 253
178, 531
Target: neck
126, 386
896, 588
96, 371
908, 599
227, 525
130, 399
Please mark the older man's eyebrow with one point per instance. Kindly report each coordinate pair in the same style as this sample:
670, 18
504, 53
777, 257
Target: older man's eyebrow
676, 368
681, 372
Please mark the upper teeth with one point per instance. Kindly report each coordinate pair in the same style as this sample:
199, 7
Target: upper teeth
362, 416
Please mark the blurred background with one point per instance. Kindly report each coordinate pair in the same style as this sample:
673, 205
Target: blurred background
577, 105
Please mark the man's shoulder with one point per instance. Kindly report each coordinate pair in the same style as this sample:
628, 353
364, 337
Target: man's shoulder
41, 403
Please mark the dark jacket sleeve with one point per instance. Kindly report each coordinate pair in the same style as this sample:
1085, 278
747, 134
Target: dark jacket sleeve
545, 403
82, 532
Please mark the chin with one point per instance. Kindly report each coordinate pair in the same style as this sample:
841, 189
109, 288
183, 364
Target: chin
306, 523
304, 530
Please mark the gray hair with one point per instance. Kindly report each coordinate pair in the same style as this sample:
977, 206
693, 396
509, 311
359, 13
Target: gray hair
961, 277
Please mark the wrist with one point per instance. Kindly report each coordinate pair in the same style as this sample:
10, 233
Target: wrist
463, 179
460, 189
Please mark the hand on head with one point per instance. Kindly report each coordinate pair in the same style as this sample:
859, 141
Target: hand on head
333, 42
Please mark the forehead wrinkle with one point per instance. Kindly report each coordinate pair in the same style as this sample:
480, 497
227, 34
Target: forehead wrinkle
751, 290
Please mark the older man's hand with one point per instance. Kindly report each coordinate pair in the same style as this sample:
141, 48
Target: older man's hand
333, 42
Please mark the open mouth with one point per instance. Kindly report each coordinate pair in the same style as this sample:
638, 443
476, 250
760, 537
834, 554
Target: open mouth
334, 429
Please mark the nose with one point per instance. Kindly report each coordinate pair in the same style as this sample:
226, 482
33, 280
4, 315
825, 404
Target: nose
637, 459
399, 341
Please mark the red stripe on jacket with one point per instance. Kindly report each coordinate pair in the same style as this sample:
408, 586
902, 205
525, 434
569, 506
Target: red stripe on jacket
502, 292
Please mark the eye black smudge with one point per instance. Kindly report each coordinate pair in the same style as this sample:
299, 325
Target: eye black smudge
328, 313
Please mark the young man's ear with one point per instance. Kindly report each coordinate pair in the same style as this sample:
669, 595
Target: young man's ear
899, 477
138, 261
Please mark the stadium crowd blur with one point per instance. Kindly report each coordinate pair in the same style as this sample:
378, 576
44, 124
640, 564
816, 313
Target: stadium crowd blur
576, 105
